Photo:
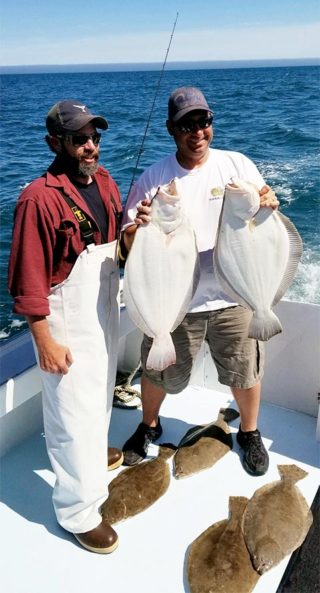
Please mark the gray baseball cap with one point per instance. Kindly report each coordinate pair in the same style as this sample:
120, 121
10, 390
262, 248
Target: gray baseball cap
184, 100
71, 115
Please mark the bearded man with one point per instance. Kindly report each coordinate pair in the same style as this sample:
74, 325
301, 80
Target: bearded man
63, 276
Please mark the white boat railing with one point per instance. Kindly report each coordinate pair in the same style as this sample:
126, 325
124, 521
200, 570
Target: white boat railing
291, 380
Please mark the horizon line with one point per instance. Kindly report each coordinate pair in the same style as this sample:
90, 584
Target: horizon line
173, 65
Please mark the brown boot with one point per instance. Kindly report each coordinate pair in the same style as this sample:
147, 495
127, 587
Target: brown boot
115, 458
103, 539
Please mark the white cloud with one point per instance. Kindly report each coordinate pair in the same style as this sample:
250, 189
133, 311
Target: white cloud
259, 42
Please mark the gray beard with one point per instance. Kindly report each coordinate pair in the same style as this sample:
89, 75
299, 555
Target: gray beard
87, 170
74, 167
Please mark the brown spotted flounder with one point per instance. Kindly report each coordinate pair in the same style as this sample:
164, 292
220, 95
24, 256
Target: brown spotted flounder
136, 488
202, 446
219, 561
277, 519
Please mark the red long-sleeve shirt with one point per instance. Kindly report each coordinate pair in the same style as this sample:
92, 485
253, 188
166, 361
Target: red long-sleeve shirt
46, 237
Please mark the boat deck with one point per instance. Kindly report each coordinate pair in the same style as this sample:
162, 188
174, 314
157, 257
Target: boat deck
37, 556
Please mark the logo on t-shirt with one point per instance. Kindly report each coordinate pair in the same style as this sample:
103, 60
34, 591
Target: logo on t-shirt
216, 193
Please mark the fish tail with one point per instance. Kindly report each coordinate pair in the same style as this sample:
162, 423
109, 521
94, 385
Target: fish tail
166, 450
264, 325
292, 472
162, 353
237, 505
228, 414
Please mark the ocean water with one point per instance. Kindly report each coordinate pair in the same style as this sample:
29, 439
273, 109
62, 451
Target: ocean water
269, 114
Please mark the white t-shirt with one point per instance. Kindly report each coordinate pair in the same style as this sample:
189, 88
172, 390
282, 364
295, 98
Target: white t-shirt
202, 191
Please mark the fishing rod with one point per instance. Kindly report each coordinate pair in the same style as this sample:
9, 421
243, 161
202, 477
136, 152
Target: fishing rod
152, 106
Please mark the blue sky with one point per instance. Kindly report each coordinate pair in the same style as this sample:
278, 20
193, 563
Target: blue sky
37, 32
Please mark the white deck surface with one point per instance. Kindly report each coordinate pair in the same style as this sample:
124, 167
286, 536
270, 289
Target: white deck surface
37, 556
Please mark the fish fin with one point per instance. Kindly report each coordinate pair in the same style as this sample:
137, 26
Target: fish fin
131, 305
263, 327
191, 434
162, 353
291, 472
295, 252
229, 414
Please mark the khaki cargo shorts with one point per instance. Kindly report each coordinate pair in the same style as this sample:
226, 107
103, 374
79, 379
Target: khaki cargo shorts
239, 360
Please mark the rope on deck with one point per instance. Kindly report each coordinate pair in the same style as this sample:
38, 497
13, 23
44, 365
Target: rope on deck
124, 393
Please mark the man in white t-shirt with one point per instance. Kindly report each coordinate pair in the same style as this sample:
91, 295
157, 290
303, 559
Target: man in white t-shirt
203, 173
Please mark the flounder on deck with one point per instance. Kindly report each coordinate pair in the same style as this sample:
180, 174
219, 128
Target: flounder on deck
256, 255
202, 446
276, 520
161, 274
136, 488
219, 561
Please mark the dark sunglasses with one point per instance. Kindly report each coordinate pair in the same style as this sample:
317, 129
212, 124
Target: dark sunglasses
82, 139
191, 125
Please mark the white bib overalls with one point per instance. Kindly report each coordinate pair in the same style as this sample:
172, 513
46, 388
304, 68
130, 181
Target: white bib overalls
84, 315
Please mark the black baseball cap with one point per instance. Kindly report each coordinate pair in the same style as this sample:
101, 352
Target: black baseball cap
184, 100
70, 116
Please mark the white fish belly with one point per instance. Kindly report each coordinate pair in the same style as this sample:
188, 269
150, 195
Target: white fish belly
253, 258
256, 255
161, 275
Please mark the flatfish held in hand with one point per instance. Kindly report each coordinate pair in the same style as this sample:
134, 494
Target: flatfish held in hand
219, 561
161, 274
277, 519
137, 488
202, 446
256, 256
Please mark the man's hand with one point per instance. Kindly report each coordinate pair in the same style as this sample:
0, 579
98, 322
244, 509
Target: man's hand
53, 357
143, 216
143, 212
268, 198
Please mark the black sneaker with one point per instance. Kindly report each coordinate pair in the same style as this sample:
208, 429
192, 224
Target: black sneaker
255, 457
135, 449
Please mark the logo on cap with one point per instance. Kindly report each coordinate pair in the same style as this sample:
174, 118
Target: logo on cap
82, 107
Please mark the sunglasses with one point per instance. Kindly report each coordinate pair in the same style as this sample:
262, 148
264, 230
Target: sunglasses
191, 125
82, 139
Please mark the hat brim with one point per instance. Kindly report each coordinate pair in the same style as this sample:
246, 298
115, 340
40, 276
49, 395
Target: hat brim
186, 110
83, 120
